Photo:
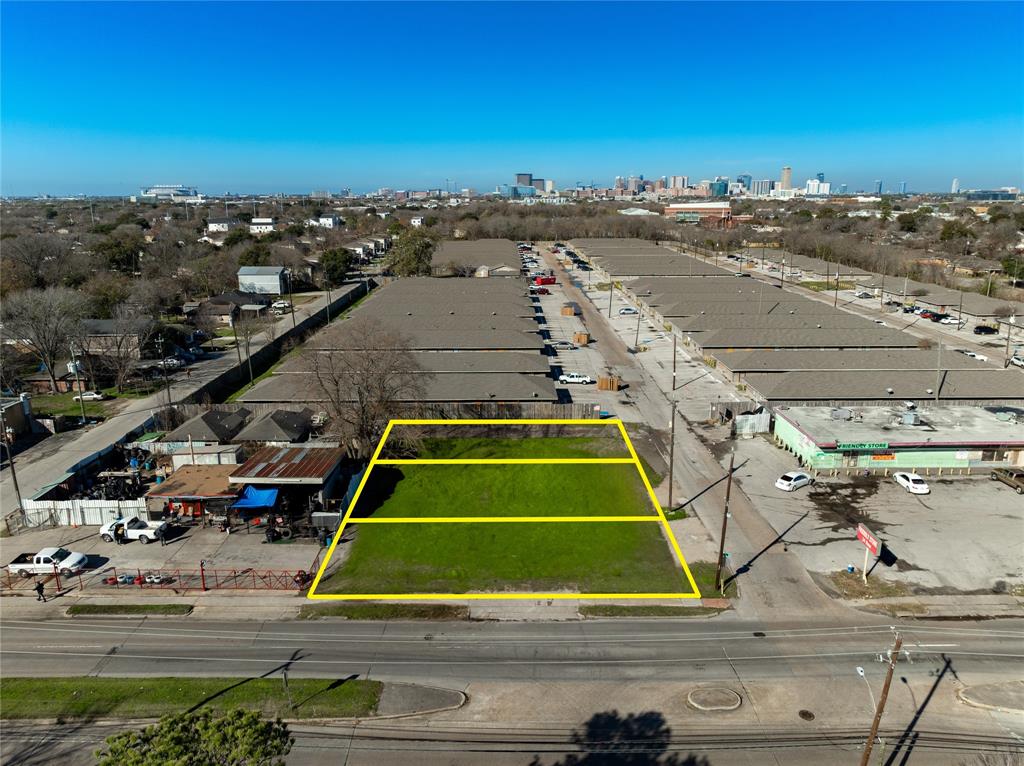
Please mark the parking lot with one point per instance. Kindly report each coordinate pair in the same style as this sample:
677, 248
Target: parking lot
964, 536
185, 549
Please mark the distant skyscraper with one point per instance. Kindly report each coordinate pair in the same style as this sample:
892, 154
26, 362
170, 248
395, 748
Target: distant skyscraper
719, 188
786, 182
955, 188
761, 188
538, 184
635, 183
903, 187
821, 178
549, 186
878, 187
746, 179
679, 182
524, 179
620, 182
843, 188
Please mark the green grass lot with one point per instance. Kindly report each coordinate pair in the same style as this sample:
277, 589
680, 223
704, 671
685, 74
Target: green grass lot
610, 445
385, 611
606, 557
64, 404
131, 610
71, 698
394, 491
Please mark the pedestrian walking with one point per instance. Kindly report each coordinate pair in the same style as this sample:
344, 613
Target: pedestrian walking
188, 374
162, 534
40, 595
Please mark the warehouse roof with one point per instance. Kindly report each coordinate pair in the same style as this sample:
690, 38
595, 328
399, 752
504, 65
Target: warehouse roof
753, 338
196, 481
942, 297
839, 320
876, 359
912, 385
289, 465
477, 252
939, 426
449, 387
804, 262
260, 271
458, 361
668, 264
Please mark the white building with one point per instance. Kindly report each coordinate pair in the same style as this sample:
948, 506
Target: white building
678, 182
416, 221
265, 280
549, 186
221, 225
171, 193
326, 221
261, 226
816, 188
761, 188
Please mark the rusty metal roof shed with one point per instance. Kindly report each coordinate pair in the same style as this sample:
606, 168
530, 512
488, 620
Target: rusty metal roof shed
289, 465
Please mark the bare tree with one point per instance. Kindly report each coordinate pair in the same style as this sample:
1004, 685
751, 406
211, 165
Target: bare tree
45, 321
366, 380
121, 350
249, 329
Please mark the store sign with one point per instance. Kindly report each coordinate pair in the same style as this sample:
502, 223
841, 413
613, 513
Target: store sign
889, 456
852, 446
869, 540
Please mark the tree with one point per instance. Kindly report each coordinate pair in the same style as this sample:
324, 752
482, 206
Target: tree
249, 329
236, 236
412, 255
237, 738
255, 255
336, 263
885, 209
45, 321
955, 230
907, 222
133, 328
396, 228
365, 380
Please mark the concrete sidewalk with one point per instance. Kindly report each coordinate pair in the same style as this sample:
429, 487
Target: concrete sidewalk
1006, 697
963, 607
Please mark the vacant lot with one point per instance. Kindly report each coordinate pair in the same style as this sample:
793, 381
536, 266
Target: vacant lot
503, 490
476, 556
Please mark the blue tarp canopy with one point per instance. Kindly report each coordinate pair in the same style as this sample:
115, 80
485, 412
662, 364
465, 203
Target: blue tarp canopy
256, 498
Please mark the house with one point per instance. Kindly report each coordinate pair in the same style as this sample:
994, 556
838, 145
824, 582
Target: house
417, 220
17, 418
326, 221
213, 427
223, 313
360, 250
106, 337
221, 225
263, 280
39, 382
260, 226
279, 427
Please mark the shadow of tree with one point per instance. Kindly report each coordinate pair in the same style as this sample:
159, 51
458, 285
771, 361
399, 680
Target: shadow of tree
609, 739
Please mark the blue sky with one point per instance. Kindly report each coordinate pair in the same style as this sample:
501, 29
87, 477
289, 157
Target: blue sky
259, 97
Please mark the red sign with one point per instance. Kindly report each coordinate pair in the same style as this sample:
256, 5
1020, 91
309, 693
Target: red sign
869, 540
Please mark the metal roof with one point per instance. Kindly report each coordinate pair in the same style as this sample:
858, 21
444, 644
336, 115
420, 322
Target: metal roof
801, 385
289, 465
876, 359
196, 481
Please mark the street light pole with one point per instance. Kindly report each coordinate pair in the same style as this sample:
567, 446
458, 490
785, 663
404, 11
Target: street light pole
725, 522
880, 708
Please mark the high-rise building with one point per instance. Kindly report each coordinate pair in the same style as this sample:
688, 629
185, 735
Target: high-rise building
538, 184
679, 182
719, 188
843, 188
620, 182
634, 183
878, 187
524, 179
814, 188
786, 181
549, 186
903, 187
746, 179
955, 188
761, 188
820, 177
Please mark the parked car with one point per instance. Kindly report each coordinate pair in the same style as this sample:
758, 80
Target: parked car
949, 320
539, 290
627, 311
1016, 361
974, 355
547, 280
280, 304
563, 345
864, 294
574, 377
792, 481
90, 396
1011, 477
984, 329
171, 363
911, 482
134, 529
47, 561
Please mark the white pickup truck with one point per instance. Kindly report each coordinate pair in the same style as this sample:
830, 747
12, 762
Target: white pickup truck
47, 561
134, 529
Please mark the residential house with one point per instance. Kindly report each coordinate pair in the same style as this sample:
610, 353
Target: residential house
279, 427
263, 280
213, 427
221, 225
326, 221
260, 226
107, 337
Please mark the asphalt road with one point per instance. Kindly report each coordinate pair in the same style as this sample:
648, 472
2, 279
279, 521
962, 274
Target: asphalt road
533, 685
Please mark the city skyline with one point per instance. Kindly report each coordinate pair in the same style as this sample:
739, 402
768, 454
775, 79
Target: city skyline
462, 106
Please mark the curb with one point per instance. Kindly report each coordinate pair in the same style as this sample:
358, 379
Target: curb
984, 705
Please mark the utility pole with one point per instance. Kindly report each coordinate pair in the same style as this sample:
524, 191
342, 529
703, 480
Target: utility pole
78, 382
675, 347
725, 522
671, 454
10, 458
835, 303
611, 289
636, 340
880, 708
163, 367
938, 373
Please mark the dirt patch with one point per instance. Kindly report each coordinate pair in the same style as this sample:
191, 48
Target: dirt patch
850, 585
837, 505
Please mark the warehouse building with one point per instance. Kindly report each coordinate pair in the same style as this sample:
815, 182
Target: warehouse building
943, 439
736, 365
476, 258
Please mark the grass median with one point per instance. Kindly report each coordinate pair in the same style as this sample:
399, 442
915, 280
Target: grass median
131, 610
385, 611
91, 698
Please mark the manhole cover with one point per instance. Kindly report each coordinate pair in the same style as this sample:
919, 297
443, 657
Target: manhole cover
807, 715
718, 699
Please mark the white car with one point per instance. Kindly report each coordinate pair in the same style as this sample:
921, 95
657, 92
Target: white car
90, 396
574, 377
280, 305
1016, 361
949, 320
171, 363
792, 481
911, 482
627, 311
973, 355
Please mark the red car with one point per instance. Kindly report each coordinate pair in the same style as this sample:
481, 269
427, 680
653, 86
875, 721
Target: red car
540, 291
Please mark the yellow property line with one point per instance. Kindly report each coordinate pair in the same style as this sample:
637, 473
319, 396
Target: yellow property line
497, 519
508, 461
375, 460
